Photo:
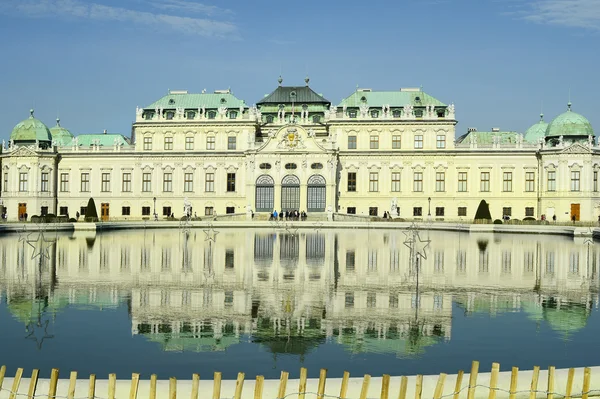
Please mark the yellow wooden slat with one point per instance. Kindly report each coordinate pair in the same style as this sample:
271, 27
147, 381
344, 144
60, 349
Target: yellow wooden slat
344, 388
53, 383
217, 385
550, 389
135, 382
72, 383
16, 383
458, 385
2, 374
172, 388
439, 387
195, 386
403, 387
302, 384
385, 387
322, 381
283, 384
494, 380
365, 386
112, 385
33, 383
473, 379
153, 379
258, 388
239, 386
587, 375
514, 376
419, 387
569, 383
534, 382
92, 387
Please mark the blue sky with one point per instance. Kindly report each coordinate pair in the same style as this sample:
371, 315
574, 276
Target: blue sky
499, 61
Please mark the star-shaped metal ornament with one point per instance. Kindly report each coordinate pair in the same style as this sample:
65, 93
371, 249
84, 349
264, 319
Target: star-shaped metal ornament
38, 332
290, 229
185, 225
414, 241
317, 226
590, 238
23, 234
40, 244
211, 233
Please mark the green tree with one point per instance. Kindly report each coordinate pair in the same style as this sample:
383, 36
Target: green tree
91, 215
483, 211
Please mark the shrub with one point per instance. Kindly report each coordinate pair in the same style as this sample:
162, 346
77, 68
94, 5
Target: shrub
72, 220
529, 219
35, 219
483, 211
91, 215
497, 221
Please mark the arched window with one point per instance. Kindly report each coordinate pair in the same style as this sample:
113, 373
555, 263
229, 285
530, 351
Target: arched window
374, 113
233, 114
290, 166
191, 114
396, 113
269, 118
170, 115
211, 114
316, 118
316, 166
265, 166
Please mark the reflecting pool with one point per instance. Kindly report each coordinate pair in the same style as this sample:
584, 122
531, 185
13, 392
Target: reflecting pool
175, 302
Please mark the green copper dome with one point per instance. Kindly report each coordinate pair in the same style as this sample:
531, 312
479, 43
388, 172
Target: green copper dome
569, 124
537, 131
30, 130
61, 135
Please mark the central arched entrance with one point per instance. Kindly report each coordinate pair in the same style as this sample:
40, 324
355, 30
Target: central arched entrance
265, 194
316, 196
290, 193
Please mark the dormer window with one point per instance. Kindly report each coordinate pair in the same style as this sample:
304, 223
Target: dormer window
305, 107
418, 113
233, 114
191, 114
316, 118
352, 114
171, 101
440, 113
269, 118
374, 113
363, 99
417, 99
281, 107
170, 115
148, 115
211, 114
223, 101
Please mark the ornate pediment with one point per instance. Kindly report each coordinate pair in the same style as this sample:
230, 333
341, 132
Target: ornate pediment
576, 148
291, 138
24, 151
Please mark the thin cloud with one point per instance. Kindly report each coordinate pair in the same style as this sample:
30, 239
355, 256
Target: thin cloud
83, 10
570, 13
188, 7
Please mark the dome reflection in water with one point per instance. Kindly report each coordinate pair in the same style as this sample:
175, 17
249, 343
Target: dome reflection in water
173, 302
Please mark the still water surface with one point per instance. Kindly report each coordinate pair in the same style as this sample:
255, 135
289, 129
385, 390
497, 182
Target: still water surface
174, 303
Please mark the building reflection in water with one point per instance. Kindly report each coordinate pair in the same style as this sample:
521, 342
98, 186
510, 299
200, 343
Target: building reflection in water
292, 292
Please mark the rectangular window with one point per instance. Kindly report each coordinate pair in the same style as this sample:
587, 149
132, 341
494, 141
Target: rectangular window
529, 182
418, 182
189, 143
64, 182
168, 143
44, 185
396, 181
231, 143
351, 210
440, 181
145, 211
5, 186
85, 182
126, 182
372, 211
147, 143
350, 261
462, 211
125, 211
209, 184
166, 211
352, 142
575, 175
105, 182
441, 141
507, 181
63, 211
507, 211
230, 182
439, 211
396, 142
146, 182
551, 180
168, 182
595, 185
210, 143
82, 210
374, 142
419, 141
485, 182
208, 211
352, 182
417, 211
462, 182
373, 181
529, 212
188, 182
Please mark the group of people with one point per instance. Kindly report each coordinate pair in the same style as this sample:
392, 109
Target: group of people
289, 215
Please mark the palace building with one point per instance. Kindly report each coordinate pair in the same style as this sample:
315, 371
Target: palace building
376, 152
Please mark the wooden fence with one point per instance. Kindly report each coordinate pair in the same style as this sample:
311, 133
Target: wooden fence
284, 390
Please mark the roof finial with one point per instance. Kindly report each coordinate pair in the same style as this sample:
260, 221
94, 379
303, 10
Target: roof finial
541, 117
280, 80
31, 113
57, 121
306, 80
569, 106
